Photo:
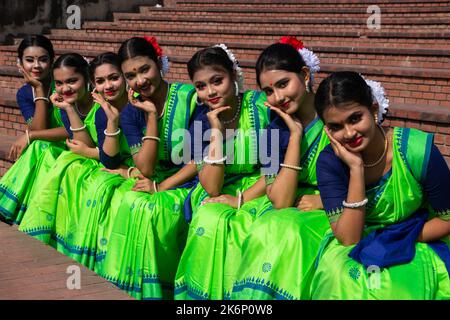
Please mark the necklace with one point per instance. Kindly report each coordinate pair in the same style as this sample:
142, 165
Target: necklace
370, 165
165, 102
79, 112
236, 114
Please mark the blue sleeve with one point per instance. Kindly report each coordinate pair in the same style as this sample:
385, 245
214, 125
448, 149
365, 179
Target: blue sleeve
333, 180
25, 102
133, 123
199, 124
100, 125
437, 184
66, 122
277, 136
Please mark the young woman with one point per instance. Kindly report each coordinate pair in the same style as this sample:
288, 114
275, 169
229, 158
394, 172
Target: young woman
385, 192
279, 252
141, 251
35, 58
225, 201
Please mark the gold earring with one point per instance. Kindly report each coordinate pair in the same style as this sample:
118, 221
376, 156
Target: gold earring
376, 118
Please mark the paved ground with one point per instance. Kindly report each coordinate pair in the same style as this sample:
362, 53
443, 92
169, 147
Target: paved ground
31, 270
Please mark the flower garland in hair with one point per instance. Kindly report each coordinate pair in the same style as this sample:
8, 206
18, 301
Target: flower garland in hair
164, 59
310, 58
379, 95
236, 67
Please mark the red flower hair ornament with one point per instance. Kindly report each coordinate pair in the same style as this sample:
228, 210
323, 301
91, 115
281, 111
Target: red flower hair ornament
310, 58
159, 53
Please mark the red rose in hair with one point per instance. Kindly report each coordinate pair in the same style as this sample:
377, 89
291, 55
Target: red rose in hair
154, 43
297, 44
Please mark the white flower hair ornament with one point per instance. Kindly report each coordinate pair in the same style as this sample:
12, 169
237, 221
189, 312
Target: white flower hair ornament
379, 95
310, 58
236, 67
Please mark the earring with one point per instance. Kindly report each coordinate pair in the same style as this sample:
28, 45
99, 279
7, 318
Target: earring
127, 87
236, 87
161, 73
307, 86
376, 118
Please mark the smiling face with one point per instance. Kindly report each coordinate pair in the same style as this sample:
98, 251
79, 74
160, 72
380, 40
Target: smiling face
214, 87
109, 82
142, 75
284, 89
353, 125
36, 61
69, 84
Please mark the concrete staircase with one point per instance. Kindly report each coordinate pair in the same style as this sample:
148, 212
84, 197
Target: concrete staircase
410, 54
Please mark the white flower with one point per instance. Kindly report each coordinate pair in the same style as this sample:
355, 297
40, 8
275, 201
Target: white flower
379, 95
237, 69
165, 65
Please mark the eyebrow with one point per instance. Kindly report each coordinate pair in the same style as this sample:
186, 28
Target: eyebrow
44, 56
276, 83
108, 76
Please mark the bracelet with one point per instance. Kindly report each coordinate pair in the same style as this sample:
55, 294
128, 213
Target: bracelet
240, 199
77, 129
150, 138
41, 98
155, 186
112, 134
290, 167
28, 136
218, 161
354, 205
130, 169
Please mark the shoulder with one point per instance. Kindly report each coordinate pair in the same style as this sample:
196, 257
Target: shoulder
25, 92
328, 161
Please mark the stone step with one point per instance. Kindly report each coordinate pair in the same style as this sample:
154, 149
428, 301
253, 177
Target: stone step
262, 13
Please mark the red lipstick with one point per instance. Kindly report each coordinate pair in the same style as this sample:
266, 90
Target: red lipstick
356, 142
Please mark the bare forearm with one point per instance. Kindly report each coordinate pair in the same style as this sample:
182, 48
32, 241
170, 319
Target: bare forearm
111, 145
54, 134
40, 118
183, 175
148, 155
434, 229
255, 191
75, 122
92, 153
350, 225
286, 180
212, 175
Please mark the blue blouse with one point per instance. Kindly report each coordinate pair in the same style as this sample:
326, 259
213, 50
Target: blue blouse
333, 179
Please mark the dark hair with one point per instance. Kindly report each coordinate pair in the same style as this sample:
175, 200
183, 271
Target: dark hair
104, 58
340, 89
137, 47
214, 57
279, 56
36, 41
73, 60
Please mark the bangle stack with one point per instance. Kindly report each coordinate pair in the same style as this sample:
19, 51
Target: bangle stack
155, 186
151, 138
77, 129
130, 169
218, 161
41, 98
297, 168
355, 205
112, 134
